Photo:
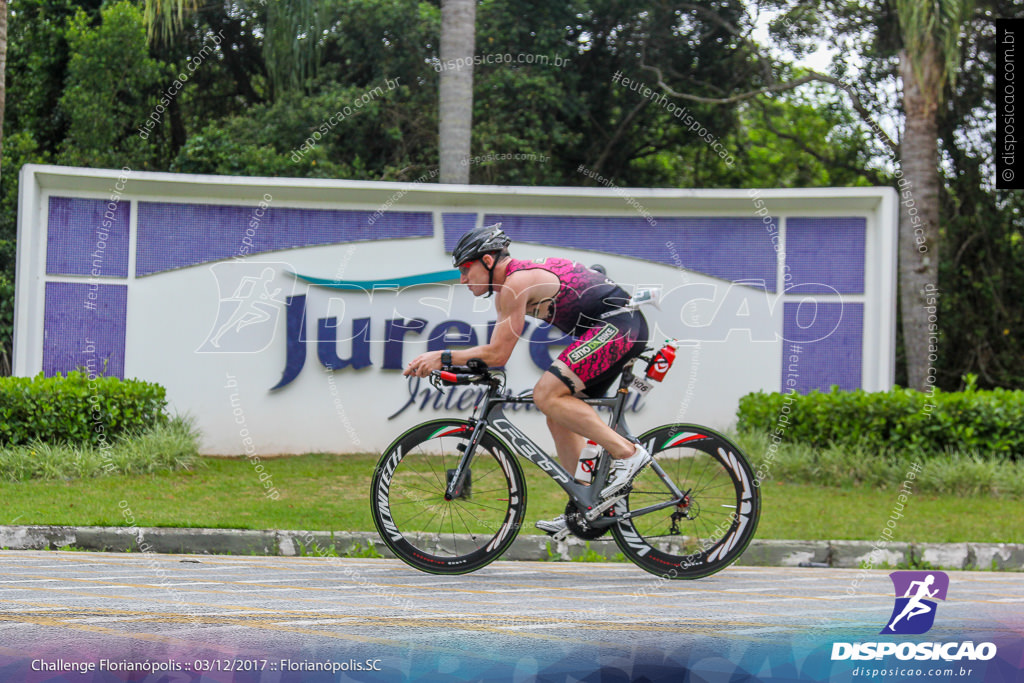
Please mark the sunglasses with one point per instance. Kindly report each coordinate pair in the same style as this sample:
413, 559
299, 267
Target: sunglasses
464, 268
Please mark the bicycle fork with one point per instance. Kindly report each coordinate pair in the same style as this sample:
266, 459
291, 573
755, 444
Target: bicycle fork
458, 478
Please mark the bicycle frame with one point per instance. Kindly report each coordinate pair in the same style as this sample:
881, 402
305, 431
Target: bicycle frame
587, 498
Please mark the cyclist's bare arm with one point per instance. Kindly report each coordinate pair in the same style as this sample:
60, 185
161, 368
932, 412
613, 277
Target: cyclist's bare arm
521, 290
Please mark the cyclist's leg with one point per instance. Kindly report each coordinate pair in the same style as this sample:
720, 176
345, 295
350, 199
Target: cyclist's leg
568, 445
569, 415
556, 394
568, 418
588, 367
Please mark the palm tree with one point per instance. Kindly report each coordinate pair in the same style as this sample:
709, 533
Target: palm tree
3, 69
458, 34
930, 30
5, 344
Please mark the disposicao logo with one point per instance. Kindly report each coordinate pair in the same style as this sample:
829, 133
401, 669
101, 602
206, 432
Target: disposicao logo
913, 614
916, 593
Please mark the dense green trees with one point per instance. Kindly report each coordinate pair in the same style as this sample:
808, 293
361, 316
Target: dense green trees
267, 85
106, 97
982, 268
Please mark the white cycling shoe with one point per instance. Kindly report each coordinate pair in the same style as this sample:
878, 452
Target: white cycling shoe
624, 470
553, 526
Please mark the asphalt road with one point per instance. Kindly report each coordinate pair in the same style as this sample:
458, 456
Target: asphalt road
227, 618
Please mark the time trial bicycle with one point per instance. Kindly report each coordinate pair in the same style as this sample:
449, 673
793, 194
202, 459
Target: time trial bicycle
448, 496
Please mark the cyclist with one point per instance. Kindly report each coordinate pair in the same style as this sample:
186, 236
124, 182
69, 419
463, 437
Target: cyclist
577, 300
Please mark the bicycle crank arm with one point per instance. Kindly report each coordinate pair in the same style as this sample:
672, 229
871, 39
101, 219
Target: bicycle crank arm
600, 509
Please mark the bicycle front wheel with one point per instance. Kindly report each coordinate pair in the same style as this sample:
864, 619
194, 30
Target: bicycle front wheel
436, 535
712, 525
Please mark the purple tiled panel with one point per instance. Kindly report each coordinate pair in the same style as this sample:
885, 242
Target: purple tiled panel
179, 235
825, 253
827, 341
734, 249
458, 223
77, 241
76, 336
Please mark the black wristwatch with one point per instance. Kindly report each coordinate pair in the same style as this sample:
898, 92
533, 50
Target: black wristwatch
446, 359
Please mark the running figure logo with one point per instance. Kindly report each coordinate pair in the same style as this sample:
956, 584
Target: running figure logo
249, 304
914, 611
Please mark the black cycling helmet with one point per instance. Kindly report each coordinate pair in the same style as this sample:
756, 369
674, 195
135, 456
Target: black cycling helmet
489, 239
479, 241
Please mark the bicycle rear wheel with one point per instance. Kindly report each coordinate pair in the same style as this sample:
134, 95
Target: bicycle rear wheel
420, 526
715, 522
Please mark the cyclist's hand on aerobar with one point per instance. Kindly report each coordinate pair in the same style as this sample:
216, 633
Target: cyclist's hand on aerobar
421, 365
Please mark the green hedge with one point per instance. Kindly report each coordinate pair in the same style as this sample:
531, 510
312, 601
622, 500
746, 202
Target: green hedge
75, 409
987, 423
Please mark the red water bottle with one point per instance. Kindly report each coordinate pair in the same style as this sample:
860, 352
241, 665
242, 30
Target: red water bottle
661, 362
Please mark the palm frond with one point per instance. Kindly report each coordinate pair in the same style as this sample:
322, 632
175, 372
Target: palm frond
930, 30
293, 44
166, 18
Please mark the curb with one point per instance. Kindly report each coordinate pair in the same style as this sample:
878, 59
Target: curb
760, 553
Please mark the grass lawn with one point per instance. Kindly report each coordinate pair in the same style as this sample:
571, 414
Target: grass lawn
331, 492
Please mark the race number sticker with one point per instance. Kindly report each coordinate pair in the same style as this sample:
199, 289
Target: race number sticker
640, 385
